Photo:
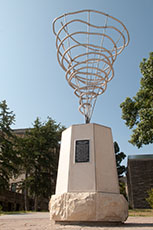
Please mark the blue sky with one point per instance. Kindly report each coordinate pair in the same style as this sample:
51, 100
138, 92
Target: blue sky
33, 83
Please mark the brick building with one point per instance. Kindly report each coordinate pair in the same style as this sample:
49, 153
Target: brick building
13, 199
139, 179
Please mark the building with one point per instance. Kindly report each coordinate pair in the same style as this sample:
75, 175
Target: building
13, 199
139, 179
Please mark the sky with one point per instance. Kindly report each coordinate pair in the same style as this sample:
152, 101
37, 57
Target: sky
33, 83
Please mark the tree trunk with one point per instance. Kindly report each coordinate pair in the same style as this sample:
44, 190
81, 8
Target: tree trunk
25, 193
36, 203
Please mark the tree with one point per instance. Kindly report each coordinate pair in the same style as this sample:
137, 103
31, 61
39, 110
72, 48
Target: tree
39, 152
120, 156
149, 199
26, 165
138, 111
8, 156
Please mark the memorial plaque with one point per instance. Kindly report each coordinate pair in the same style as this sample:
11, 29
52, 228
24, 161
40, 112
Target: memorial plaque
82, 151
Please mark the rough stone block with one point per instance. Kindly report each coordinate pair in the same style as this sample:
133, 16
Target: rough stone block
90, 206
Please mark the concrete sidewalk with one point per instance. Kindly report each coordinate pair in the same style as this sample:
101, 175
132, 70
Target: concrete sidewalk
40, 221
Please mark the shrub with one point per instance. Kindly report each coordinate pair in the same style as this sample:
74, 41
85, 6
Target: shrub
1, 208
122, 189
149, 199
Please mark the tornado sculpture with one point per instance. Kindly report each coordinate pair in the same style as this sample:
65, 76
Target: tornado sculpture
88, 42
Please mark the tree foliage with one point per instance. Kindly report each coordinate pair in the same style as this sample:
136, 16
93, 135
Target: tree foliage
149, 199
34, 155
120, 156
138, 111
39, 150
8, 156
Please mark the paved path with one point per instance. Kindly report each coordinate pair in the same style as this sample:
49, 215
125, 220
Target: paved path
40, 221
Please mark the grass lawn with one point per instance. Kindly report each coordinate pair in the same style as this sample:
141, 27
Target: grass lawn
13, 212
18, 212
141, 212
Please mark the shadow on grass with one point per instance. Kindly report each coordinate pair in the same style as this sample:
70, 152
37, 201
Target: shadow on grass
140, 225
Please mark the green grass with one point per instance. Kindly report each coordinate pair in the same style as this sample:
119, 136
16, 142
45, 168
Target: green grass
18, 212
141, 212
14, 212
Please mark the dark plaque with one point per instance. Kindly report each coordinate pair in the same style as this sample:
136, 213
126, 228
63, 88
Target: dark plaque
82, 151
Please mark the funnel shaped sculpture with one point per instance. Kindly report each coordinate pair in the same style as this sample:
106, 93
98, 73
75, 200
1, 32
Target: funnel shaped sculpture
87, 188
88, 42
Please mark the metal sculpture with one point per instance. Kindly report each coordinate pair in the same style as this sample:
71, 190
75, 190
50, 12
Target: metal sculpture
88, 42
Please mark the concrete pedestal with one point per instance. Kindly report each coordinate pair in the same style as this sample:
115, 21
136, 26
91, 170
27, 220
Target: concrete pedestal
87, 183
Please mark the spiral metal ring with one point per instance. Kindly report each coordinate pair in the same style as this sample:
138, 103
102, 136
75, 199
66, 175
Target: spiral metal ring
87, 51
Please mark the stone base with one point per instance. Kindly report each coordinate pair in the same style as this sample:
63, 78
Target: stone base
88, 206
